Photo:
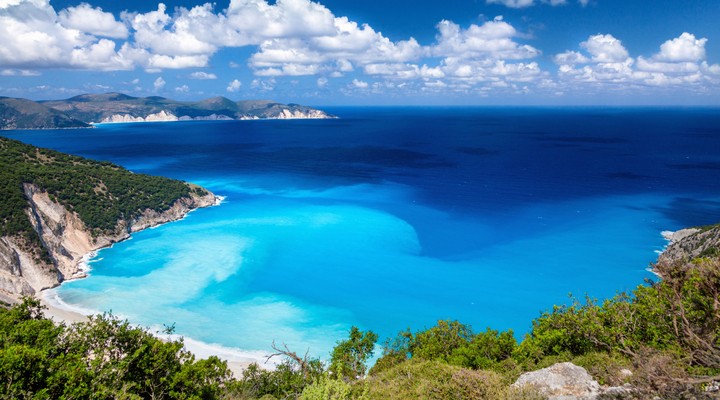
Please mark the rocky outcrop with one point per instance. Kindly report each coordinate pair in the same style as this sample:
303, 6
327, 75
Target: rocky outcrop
567, 381
164, 116
561, 381
687, 244
298, 114
67, 240
161, 116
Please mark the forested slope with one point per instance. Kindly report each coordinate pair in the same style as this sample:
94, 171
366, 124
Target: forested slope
55, 207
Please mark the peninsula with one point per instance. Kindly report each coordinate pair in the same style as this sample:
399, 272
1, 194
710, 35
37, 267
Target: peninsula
56, 208
84, 110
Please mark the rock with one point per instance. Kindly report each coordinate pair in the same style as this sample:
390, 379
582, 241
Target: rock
563, 381
687, 244
567, 381
66, 239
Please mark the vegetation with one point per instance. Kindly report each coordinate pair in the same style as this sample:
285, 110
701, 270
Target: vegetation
104, 358
667, 333
101, 193
27, 114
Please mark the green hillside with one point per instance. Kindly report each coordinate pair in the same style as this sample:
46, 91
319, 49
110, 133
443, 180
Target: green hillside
101, 193
27, 114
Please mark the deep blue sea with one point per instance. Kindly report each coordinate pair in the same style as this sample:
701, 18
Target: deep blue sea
393, 218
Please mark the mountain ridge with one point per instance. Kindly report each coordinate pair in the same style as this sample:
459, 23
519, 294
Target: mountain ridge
84, 110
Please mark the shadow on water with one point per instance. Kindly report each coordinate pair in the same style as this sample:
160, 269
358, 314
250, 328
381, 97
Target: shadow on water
686, 212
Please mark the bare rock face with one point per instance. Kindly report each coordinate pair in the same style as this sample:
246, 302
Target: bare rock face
687, 244
67, 240
563, 381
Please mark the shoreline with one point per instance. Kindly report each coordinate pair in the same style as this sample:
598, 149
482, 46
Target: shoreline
62, 313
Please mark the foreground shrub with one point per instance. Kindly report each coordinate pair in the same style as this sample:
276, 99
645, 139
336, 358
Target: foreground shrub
419, 379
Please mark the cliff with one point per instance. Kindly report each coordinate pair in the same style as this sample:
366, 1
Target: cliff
116, 107
55, 209
83, 110
66, 239
691, 243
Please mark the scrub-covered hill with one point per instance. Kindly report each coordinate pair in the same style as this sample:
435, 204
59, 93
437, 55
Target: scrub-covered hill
55, 208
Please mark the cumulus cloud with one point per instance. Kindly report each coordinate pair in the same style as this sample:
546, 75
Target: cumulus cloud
679, 61
356, 83
202, 75
182, 89
33, 36
293, 38
685, 48
491, 40
488, 54
234, 86
159, 83
605, 49
94, 21
348, 44
265, 85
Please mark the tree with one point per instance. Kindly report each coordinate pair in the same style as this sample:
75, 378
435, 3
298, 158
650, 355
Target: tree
348, 358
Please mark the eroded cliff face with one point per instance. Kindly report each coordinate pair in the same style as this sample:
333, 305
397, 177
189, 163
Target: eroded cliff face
66, 239
688, 244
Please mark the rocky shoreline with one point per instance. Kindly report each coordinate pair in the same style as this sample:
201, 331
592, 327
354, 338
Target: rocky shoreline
68, 241
690, 243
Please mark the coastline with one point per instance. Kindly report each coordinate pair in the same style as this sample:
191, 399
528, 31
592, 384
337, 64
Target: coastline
62, 313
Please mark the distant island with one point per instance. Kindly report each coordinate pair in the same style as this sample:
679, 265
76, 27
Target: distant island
57, 208
87, 109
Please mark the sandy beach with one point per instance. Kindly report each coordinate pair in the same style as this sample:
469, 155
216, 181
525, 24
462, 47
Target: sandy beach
59, 314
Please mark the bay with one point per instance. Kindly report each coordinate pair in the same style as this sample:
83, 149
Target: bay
389, 218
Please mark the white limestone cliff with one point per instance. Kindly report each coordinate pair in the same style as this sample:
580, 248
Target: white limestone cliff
67, 240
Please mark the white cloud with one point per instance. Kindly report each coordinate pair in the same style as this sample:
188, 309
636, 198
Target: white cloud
404, 71
605, 49
263, 84
202, 75
359, 84
182, 89
347, 45
685, 48
491, 40
513, 3
161, 61
322, 82
680, 62
33, 36
234, 86
528, 3
18, 72
571, 57
157, 32
159, 83
94, 21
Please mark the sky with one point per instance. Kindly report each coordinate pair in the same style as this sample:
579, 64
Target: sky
370, 52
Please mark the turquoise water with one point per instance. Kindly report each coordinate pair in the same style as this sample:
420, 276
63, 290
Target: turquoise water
395, 218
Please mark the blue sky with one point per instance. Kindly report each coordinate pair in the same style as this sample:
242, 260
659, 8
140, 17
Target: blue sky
337, 52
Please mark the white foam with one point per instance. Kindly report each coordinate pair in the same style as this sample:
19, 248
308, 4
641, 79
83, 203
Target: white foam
231, 354
52, 297
219, 200
667, 235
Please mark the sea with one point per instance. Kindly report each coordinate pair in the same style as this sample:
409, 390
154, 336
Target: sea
392, 218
